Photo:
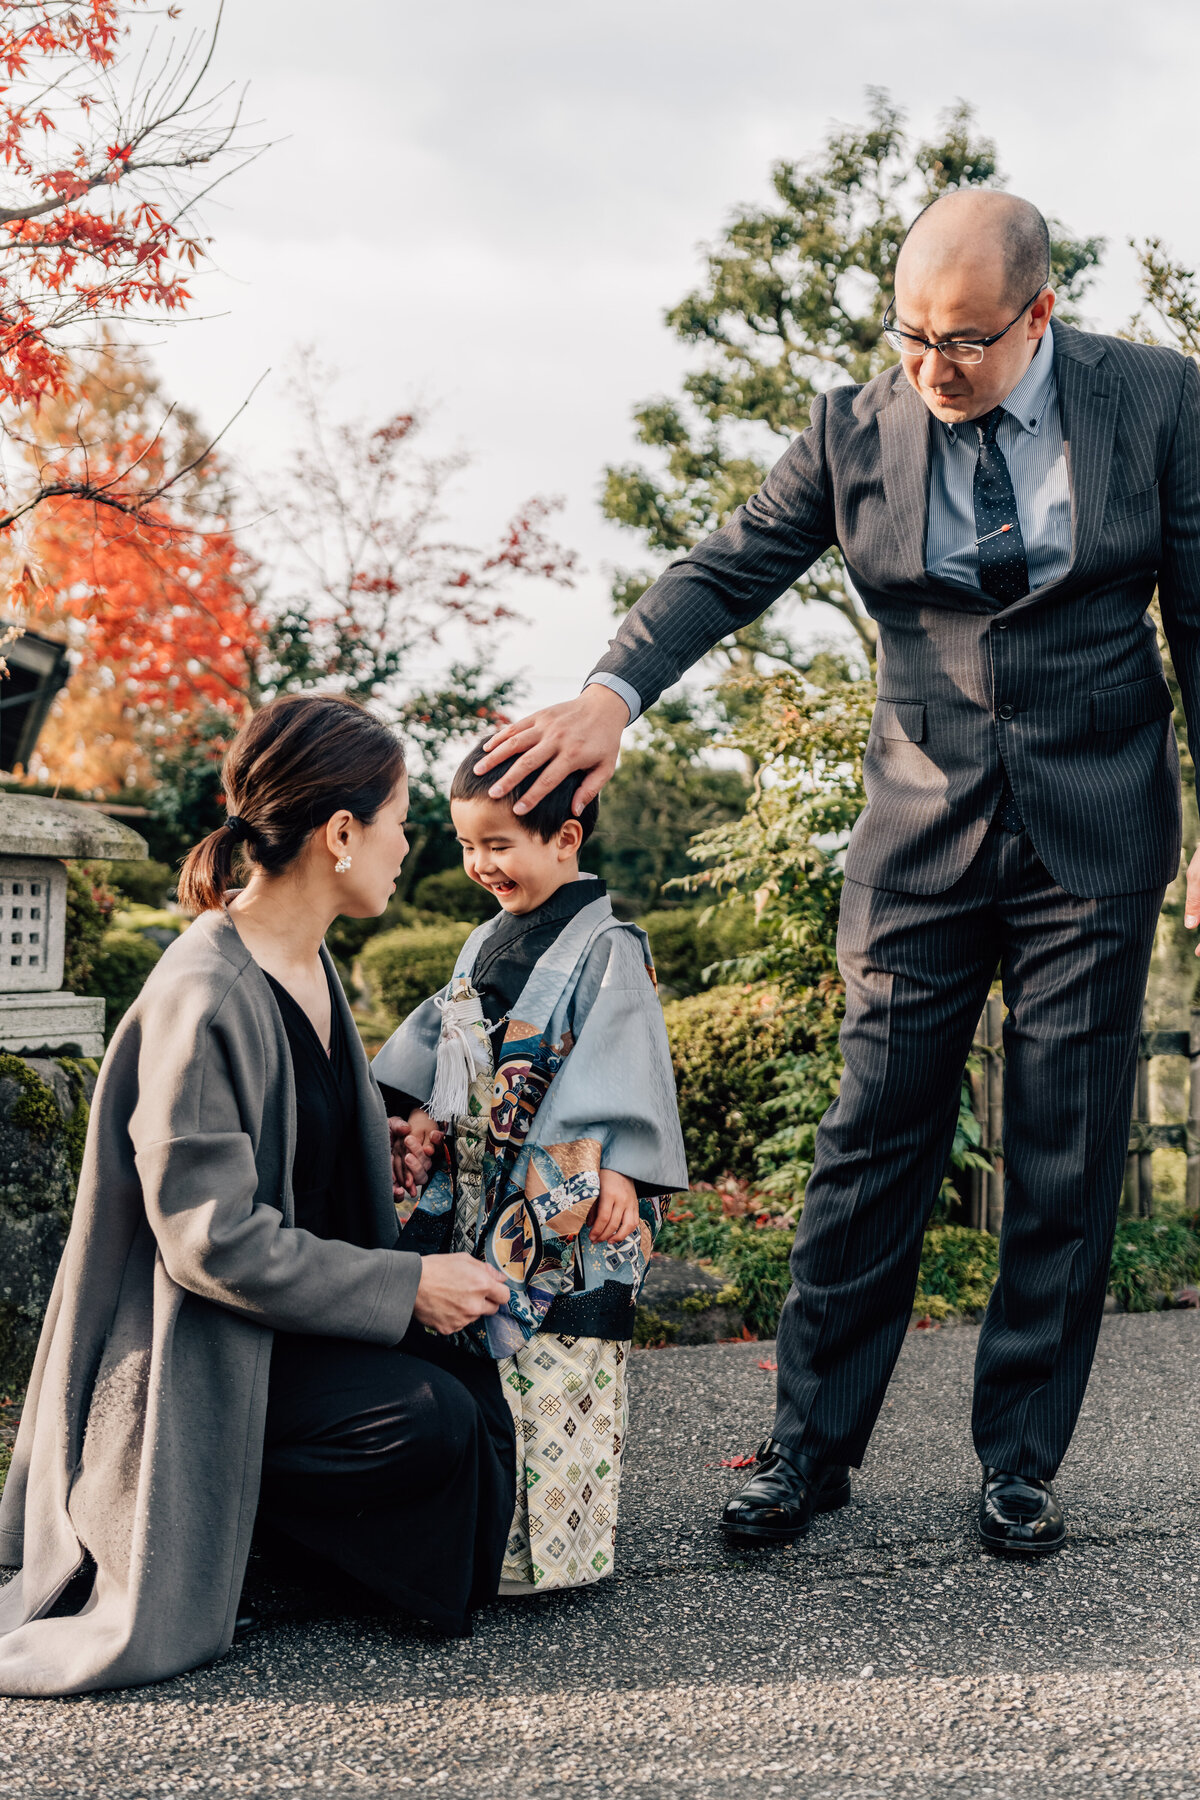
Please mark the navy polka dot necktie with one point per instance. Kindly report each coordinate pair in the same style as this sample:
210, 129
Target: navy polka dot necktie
1003, 571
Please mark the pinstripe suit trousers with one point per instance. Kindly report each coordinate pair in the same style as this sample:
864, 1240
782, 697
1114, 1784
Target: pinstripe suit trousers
917, 971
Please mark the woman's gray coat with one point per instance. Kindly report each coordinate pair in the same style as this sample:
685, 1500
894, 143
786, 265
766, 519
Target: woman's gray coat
141, 1438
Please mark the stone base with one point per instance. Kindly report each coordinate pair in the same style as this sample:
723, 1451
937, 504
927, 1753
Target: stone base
54, 1024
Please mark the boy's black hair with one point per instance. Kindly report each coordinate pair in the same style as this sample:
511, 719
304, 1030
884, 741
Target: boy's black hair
548, 816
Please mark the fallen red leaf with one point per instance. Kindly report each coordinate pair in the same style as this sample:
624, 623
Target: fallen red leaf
928, 1324
733, 1462
768, 1365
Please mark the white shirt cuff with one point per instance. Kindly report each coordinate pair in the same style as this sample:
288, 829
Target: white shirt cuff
622, 689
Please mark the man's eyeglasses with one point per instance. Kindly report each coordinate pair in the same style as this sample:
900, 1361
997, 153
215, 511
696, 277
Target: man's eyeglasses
955, 350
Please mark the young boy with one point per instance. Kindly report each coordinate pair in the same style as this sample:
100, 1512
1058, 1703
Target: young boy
545, 1057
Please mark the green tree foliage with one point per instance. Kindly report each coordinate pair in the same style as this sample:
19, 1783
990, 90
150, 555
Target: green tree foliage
405, 967
186, 804
663, 791
724, 1045
691, 945
806, 735
790, 305
439, 726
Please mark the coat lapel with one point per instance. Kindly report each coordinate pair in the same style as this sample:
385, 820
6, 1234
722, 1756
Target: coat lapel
1089, 395
374, 1135
904, 427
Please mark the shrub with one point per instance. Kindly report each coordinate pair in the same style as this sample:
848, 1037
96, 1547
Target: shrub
750, 1252
404, 967
90, 903
119, 969
347, 938
724, 1045
451, 894
145, 883
958, 1270
688, 940
1152, 1257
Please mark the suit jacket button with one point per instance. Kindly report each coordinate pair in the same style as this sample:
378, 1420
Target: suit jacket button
1005, 711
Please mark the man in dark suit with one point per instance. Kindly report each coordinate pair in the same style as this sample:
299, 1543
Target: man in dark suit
1006, 501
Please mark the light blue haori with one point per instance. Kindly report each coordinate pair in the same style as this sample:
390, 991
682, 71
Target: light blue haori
581, 1081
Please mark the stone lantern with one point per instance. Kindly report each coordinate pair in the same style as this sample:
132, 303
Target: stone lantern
35, 836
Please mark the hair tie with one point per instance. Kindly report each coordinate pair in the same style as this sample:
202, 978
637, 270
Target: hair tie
238, 829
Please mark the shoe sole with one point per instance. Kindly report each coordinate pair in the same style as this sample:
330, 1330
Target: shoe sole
771, 1534
1019, 1550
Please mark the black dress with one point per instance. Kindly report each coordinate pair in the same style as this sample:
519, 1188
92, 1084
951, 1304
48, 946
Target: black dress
394, 1464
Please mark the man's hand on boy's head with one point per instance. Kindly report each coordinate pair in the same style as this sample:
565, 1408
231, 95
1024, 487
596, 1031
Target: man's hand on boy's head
615, 1213
415, 1142
584, 733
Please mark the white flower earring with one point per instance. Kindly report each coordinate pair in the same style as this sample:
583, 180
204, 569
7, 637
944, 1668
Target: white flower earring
340, 867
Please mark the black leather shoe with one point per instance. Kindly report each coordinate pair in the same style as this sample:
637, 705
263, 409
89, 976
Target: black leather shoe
782, 1495
1019, 1516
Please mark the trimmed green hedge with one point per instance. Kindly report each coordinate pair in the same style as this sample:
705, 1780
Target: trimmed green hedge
404, 967
683, 947
453, 895
722, 1045
120, 964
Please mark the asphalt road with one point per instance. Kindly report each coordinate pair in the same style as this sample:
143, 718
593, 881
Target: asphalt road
882, 1658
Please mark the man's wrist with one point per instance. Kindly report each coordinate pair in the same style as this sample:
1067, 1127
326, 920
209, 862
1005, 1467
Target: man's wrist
621, 688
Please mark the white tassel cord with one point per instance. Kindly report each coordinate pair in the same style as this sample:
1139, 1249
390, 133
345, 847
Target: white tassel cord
461, 1056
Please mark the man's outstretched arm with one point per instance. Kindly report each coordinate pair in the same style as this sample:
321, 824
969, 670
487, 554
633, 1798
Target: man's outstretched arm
720, 586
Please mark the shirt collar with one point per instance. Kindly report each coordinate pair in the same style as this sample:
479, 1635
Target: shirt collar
1033, 393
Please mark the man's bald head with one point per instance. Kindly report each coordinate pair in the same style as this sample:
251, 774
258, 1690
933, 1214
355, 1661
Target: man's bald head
984, 227
968, 273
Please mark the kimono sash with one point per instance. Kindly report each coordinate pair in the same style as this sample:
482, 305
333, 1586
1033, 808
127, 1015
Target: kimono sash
582, 1079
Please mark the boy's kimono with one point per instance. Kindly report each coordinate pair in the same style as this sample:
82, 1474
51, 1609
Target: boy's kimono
580, 1079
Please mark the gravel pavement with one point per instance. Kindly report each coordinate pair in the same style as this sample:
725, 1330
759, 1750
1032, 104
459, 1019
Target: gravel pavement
881, 1658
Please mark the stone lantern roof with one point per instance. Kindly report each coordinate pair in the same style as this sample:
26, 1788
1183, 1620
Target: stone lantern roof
37, 836
31, 825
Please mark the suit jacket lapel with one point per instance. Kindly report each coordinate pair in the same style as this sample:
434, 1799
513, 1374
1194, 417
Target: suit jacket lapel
1089, 394
904, 427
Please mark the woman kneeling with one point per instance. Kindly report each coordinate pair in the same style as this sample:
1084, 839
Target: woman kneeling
233, 1332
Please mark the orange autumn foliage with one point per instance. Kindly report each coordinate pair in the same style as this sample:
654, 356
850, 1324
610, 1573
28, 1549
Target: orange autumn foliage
158, 608
103, 148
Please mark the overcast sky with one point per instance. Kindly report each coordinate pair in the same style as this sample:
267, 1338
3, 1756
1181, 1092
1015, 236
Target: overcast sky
484, 207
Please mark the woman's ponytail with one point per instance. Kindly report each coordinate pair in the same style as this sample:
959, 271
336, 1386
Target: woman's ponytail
207, 873
296, 762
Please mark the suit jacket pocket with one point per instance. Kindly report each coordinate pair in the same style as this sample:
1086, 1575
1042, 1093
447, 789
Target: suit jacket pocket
904, 719
1133, 703
1124, 505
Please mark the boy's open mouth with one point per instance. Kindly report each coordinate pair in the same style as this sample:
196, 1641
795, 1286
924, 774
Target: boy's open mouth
502, 887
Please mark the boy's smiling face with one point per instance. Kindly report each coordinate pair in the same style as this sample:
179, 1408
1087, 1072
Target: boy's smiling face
510, 862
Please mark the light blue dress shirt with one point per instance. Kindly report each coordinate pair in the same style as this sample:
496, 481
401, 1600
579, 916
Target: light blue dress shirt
1031, 440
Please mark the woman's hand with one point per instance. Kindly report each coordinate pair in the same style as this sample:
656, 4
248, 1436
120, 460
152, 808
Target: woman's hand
455, 1290
415, 1142
616, 1211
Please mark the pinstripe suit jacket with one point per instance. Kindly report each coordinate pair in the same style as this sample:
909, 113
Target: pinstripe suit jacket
1063, 688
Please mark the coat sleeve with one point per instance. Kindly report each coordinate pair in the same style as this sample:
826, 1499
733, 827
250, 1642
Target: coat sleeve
218, 1237
617, 1086
1179, 568
734, 575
